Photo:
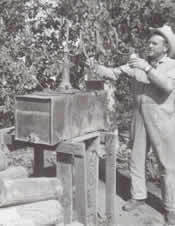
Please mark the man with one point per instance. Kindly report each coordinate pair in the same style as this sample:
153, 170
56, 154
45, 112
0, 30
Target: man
154, 116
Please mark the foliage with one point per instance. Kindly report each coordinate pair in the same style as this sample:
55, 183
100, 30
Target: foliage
33, 35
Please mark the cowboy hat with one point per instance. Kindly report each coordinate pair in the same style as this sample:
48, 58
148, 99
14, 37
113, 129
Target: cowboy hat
167, 32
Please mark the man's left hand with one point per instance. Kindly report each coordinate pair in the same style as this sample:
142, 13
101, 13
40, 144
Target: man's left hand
138, 63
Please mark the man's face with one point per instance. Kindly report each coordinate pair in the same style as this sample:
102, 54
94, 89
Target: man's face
157, 46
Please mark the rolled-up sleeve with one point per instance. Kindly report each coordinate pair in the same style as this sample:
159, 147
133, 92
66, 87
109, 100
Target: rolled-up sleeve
114, 73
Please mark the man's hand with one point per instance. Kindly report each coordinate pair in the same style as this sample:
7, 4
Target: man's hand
139, 63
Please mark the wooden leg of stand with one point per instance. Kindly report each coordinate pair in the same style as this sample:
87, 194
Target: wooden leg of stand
111, 149
81, 186
92, 161
38, 160
64, 173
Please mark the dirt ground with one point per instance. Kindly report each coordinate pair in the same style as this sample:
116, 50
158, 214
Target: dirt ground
150, 214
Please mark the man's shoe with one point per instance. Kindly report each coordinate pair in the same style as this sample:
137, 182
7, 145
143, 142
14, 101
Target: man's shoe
133, 204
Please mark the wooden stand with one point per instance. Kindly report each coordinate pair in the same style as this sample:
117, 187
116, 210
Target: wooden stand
80, 153
78, 169
78, 166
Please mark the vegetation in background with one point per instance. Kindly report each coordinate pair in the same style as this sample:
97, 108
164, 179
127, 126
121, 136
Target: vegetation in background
33, 35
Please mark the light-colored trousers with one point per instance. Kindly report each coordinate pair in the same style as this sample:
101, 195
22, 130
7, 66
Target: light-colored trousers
154, 124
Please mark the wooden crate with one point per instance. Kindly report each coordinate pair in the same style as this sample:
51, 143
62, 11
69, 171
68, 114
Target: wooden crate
51, 118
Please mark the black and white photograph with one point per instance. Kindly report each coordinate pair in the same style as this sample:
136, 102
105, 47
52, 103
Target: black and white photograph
87, 112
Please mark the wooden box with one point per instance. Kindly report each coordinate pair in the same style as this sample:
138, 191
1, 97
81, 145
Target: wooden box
51, 118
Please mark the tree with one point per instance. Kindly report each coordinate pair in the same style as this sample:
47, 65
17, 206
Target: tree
33, 34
